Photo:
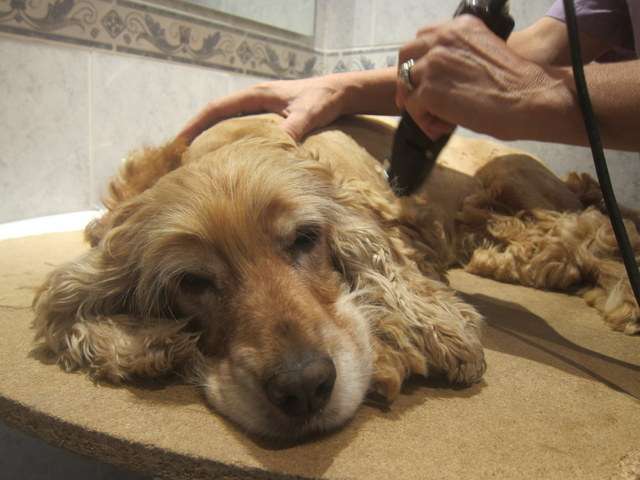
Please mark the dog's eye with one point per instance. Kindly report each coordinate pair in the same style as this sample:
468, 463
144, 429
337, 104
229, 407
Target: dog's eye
195, 284
306, 239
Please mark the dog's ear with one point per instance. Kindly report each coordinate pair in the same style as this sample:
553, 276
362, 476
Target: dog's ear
85, 313
418, 323
140, 170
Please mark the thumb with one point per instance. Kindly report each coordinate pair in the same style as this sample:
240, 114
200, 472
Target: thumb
297, 124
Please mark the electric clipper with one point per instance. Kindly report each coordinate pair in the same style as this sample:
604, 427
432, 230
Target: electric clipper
414, 154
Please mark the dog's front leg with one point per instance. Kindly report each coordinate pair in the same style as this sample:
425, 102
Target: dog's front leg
419, 324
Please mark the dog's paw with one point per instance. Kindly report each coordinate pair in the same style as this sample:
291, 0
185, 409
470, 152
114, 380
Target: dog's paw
617, 305
468, 372
621, 311
632, 328
459, 354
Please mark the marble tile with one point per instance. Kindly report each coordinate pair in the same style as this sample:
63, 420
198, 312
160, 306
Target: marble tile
240, 82
397, 22
319, 26
346, 23
44, 132
526, 13
295, 16
137, 102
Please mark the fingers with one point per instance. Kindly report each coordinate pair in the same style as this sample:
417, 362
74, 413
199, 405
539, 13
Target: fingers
302, 119
234, 104
432, 51
421, 99
415, 49
412, 51
431, 125
253, 100
435, 127
417, 76
444, 34
463, 74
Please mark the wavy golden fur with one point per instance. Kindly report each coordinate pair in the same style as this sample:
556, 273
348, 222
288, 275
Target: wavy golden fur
218, 260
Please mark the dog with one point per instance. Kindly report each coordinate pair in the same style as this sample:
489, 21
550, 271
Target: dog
288, 281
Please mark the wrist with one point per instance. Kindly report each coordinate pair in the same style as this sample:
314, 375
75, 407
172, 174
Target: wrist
341, 86
550, 111
366, 92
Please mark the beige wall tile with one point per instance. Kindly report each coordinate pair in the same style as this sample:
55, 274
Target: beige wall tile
138, 101
345, 24
44, 129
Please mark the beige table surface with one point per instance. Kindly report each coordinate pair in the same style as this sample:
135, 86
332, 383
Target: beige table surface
559, 400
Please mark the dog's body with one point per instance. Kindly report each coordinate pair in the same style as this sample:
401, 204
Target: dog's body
288, 280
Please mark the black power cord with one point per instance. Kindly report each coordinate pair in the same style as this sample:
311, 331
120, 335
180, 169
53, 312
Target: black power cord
597, 151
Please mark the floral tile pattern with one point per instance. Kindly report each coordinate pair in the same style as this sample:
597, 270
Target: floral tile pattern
113, 23
272, 59
74, 21
138, 28
351, 60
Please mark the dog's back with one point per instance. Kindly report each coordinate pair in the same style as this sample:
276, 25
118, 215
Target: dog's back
471, 175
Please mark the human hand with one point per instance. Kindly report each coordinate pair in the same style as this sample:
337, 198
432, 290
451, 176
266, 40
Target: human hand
306, 105
466, 75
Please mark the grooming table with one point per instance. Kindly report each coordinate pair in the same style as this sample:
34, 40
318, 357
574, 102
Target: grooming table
559, 400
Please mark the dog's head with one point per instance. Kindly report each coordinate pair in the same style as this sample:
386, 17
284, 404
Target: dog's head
286, 349
225, 266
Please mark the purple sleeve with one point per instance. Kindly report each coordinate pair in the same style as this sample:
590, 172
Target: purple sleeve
608, 19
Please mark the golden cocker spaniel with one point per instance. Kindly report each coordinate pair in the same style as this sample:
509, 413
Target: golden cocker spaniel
288, 280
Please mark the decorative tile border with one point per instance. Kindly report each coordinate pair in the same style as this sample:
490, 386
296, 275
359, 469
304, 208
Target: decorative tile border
361, 59
139, 28
58, 20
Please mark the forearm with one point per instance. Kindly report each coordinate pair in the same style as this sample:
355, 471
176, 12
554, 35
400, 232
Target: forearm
368, 91
616, 101
465, 75
542, 43
615, 97
546, 43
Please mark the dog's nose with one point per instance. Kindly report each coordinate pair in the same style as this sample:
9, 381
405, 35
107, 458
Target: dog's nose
301, 388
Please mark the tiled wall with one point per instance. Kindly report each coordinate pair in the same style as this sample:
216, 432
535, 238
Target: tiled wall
164, 29
68, 115
366, 33
365, 23
82, 82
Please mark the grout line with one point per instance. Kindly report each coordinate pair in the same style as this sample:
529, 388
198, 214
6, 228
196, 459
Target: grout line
372, 34
325, 32
92, 196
